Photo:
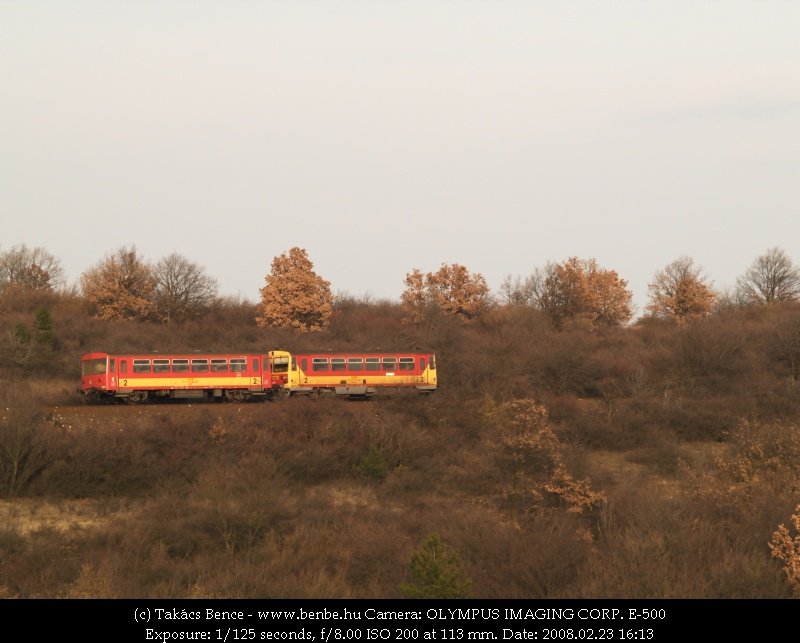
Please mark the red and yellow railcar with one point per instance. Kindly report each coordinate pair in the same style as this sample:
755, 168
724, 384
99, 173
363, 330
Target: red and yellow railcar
358, 374
138, 377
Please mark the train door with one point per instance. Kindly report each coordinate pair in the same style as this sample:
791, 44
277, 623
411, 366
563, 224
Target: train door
122, 376
257, 375
112, 373
427, 367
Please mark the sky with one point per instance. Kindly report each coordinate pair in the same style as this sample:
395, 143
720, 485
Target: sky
387, 136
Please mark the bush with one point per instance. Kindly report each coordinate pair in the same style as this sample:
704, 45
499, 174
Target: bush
24, 452
689, 435
435, 572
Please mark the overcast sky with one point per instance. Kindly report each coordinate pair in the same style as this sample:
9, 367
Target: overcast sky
387, 136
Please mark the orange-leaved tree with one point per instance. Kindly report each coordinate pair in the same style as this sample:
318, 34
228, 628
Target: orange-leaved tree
121, 286
294, 295
579, 289
452, 289
680, 292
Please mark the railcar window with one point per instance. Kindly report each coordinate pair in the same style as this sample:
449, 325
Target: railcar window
373, 363
161, 366
141, 366
180, 366
238, 364
338, 364
280, 364
433, 362
422, 363
389, 363
355, 364
93, 366
319, 364
255, 365
123, 366
406, 363
199, 366
219, 365
304, 364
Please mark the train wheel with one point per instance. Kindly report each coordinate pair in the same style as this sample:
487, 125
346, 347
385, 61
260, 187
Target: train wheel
136, 397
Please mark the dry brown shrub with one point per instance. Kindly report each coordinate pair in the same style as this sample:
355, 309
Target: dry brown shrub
94, 581
534, 455
653, 546
786, 547
43, 566
243, 504
536, 556
25, 447
712, 349
762, 452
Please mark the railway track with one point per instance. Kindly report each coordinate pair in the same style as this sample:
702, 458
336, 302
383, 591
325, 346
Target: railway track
112, 415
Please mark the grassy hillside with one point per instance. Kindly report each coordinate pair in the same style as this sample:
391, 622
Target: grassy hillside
647, 461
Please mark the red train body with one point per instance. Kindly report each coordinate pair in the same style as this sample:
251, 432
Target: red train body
137, 377
242, 376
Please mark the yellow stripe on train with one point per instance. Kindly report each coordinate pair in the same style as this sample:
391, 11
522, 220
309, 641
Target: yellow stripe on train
188, 382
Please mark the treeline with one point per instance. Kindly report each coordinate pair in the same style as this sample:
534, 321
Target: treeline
125, 286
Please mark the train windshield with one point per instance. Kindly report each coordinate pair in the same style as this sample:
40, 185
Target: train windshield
280, 364
93, 366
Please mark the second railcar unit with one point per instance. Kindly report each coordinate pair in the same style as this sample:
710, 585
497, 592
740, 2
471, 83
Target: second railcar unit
138, 377
357, 374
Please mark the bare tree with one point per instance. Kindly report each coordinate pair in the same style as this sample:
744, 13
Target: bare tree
772, 278
121, 286
294, 295
33, 268
23, 451
680, 292
182, 288
518, 291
